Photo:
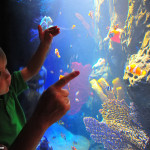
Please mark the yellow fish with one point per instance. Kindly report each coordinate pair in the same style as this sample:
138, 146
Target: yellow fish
73, 26
91, 14
57, 53
61, 76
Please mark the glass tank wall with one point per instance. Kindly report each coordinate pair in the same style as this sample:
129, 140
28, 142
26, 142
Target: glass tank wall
108, 41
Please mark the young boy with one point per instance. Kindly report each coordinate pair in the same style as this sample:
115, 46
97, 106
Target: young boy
12, 118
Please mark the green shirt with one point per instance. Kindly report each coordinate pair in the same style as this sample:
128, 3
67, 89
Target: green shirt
12, 118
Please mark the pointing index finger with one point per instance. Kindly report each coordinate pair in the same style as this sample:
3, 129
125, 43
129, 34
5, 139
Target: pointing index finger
63, 81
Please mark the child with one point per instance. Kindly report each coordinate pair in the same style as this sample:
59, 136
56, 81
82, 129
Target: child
12, 118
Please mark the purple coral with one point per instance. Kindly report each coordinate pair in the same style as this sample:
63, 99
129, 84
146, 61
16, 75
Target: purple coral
79, 88
101, 133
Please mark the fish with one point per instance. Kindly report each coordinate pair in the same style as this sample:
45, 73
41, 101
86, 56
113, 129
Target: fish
77, 93
115, 35
134, 69
60, 122
61, 76
76, 99
91, 14
57, 53
61, 70
73, 26
109, 88
73, 148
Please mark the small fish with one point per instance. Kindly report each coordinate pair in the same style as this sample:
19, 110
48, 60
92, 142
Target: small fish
91, 14
61, 76
67, 66
76, 99
61, 70
109, 88
100, 111
73, 26
73, 148
52, 72
69, 85
60, 122
97, 116
57, 53
77, 93
134, 69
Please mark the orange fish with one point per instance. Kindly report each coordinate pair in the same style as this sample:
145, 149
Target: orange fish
57, 53
61, 76
91, 14
73, 148
73, 26
134, 69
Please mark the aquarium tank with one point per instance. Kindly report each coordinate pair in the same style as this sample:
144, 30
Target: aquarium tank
108, 41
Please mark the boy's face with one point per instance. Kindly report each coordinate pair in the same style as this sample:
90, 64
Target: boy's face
5, 77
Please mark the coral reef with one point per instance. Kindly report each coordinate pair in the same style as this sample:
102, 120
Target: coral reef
100, 69
101, 133
138, 85
119, 119
137, 24
100, 87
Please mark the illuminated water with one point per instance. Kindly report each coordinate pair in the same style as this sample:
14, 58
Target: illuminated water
102, 115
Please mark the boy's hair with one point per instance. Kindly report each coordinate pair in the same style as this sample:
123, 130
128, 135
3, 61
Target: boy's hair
2, 54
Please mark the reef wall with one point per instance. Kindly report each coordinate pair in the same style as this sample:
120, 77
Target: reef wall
136, 44
108, 13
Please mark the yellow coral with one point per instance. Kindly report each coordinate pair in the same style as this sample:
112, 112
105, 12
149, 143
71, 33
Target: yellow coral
98, 89
103, 83
118, 90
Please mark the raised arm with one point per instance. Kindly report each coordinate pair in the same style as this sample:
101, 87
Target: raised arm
53, 104
38, 58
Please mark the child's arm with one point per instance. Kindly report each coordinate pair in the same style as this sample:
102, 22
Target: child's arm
38, 58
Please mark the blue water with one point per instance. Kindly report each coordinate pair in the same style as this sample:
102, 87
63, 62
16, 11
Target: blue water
83, 45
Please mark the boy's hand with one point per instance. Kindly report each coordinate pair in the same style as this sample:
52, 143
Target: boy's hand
54, 102
48, 34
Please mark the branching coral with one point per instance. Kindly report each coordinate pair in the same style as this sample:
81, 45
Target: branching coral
118, 118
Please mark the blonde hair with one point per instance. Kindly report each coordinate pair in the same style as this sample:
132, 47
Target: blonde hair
2, 54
